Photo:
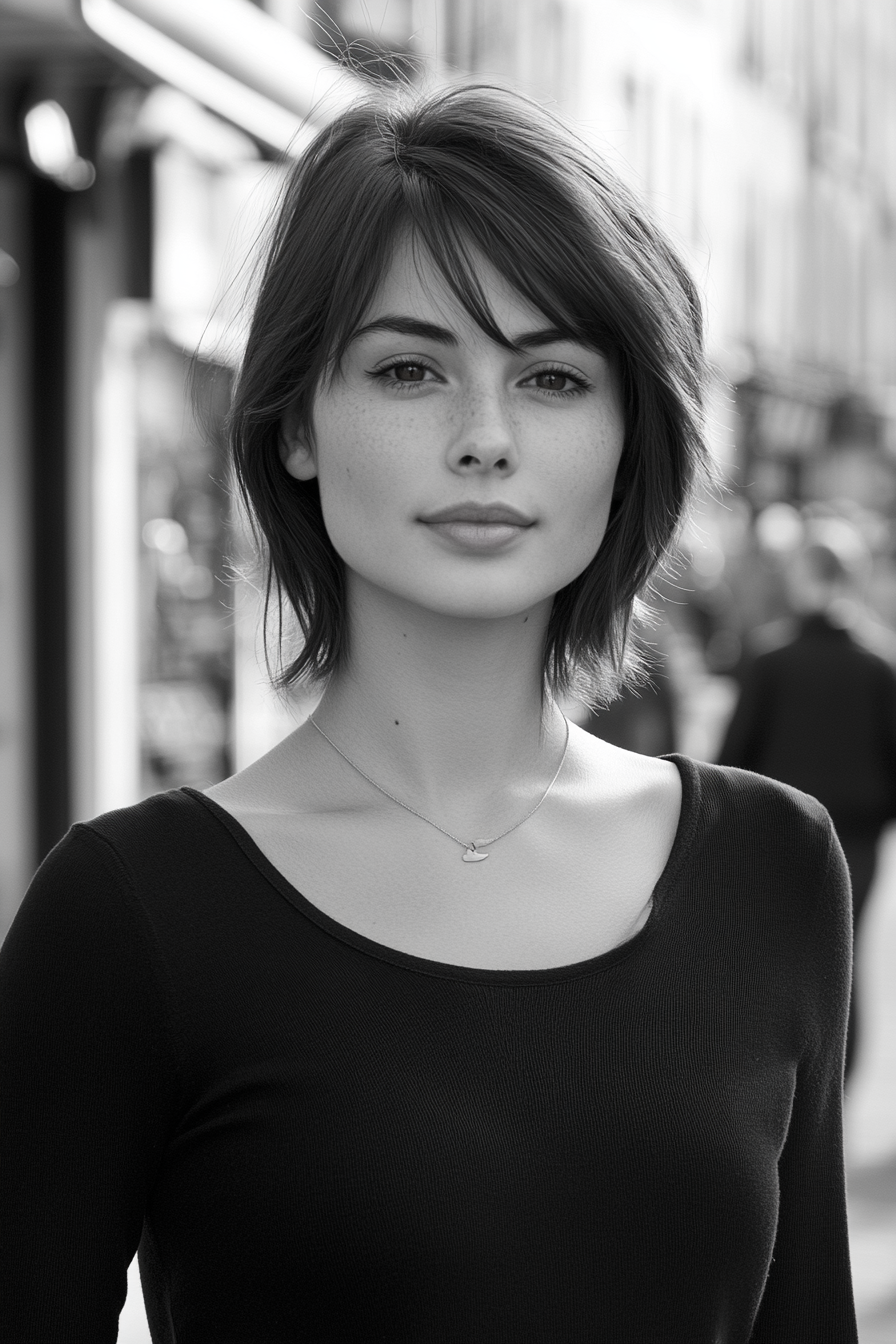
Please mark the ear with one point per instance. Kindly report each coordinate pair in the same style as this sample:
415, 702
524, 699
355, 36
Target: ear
296, 451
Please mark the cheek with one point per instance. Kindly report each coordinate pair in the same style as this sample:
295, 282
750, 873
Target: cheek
363, 480
354, 464
588, 494
591, 484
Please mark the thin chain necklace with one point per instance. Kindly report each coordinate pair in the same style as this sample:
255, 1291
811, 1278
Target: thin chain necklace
473, 853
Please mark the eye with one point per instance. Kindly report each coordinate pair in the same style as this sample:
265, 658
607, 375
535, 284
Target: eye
557, 381
408, 373
551, 380
403, 375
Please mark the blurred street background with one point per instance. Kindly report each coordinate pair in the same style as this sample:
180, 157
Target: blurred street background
142, 144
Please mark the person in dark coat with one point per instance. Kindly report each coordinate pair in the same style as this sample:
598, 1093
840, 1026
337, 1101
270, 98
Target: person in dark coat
819, 711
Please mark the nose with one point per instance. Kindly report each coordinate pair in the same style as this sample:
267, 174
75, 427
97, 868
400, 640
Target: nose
485, 440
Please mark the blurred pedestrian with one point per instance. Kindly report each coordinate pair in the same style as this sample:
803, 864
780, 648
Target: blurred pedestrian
818, 709
445, 1020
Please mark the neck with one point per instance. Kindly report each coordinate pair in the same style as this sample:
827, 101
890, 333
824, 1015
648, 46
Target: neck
441, 708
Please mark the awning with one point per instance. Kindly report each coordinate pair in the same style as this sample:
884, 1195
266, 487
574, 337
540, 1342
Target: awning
233, 58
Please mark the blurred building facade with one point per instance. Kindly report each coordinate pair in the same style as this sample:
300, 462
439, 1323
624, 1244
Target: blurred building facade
762, 131
139, 160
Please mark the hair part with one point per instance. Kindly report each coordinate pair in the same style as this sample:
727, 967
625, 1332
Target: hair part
470, 173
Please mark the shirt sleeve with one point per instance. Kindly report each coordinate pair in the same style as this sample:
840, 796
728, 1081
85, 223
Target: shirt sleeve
808, 1296
87, 1090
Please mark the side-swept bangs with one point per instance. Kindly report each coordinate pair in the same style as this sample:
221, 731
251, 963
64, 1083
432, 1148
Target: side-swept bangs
470, 173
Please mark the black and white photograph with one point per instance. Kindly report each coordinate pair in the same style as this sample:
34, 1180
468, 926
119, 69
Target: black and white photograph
448, 671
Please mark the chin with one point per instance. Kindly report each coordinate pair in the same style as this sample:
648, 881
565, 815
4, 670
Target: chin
482, 611
469, 602
457, 595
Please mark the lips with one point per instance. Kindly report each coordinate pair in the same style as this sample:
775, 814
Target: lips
478, 527
483, 514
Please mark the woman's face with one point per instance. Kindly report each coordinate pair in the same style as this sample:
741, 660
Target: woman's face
455, 474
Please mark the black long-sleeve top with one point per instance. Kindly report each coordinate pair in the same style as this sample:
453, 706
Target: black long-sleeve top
320, 1139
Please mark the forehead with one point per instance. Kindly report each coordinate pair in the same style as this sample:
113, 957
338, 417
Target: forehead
415, 286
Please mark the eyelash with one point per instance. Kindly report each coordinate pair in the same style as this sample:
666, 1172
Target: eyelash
381, 374
579, 384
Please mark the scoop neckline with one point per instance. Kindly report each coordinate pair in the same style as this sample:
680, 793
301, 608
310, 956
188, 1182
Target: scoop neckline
681, 845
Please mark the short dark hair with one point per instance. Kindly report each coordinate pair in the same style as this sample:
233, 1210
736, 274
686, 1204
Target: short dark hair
469, 172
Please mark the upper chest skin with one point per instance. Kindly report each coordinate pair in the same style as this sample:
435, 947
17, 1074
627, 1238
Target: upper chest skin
573, 881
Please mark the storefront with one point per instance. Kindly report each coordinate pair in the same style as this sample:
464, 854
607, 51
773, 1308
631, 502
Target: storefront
140, 166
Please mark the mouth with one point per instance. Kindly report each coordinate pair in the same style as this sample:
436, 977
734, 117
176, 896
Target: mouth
480, 514
478, 527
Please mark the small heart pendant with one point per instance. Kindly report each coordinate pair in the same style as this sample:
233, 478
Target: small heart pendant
473, 855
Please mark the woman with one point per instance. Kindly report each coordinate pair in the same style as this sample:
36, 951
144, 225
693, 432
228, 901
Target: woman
445, 1021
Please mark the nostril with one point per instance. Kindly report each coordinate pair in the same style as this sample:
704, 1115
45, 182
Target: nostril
484, 461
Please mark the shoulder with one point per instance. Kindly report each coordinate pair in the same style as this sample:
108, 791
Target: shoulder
738, 806
875, 639
162, 834
753, 837
767, 856
771, 637
84, 922
875, 652
142, 886
117, 858
176, 815
752, 831
295, 775
648, 788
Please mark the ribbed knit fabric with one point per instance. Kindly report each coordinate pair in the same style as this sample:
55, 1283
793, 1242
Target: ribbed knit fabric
321, 1139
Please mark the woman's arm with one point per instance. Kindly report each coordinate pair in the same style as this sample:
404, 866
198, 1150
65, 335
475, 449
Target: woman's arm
808, 1296
87, 1089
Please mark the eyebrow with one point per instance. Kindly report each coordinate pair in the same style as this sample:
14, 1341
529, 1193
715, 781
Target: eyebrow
428, 331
